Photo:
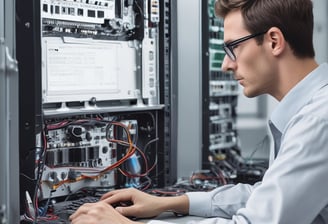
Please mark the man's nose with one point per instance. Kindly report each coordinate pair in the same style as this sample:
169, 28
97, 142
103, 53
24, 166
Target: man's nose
228, 64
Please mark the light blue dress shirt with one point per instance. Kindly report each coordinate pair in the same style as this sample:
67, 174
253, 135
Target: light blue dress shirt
294, 190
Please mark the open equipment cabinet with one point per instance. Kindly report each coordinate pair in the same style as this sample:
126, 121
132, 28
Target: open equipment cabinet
97, 101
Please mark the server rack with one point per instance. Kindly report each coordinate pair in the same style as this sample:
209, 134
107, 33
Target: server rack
220, 93
34, 112
222, 151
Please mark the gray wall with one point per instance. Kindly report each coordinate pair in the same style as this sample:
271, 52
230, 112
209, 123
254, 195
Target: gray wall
320, 38
189, 86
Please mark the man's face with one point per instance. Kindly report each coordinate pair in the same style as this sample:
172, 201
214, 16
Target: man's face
254, 66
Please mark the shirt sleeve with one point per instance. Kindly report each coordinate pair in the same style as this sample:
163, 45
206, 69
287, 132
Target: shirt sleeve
159, 222
206, 221
222, 202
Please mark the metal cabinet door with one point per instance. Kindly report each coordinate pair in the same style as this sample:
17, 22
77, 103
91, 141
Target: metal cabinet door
9, 170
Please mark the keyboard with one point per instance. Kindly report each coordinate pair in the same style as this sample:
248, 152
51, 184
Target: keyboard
61, 211
66, 208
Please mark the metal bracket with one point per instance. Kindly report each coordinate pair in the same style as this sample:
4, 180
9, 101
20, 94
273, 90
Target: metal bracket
9, 65
3, 219
2, 55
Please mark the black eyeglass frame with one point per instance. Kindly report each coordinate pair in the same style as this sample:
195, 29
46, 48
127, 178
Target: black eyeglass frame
228, 47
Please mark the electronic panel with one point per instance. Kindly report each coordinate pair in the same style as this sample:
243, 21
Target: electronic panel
101, 118
77, 151
99, 50
84, 69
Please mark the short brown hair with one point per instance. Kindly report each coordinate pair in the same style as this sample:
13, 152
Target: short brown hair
293, 17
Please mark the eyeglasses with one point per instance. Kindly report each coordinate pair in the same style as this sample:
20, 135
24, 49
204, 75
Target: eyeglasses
228, 47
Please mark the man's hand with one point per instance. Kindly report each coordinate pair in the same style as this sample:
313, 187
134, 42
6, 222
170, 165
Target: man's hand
99, 212
134, 203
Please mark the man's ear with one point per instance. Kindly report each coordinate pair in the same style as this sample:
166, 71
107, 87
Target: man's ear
276, 41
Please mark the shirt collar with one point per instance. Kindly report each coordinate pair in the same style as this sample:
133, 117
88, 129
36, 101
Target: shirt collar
299, 96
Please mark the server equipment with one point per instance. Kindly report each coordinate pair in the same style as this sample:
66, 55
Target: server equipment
221, 151
97, 108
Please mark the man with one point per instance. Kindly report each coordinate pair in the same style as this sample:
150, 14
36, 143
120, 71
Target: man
269, 48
